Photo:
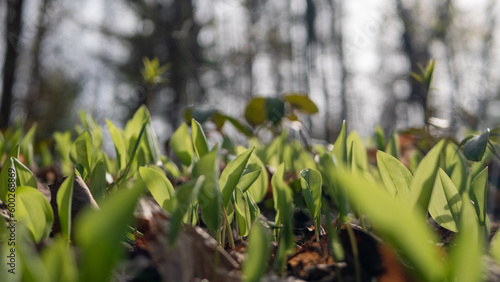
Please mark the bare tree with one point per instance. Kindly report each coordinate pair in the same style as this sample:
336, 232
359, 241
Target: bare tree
13, 33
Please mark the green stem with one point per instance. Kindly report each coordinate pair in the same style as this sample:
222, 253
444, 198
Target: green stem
228, 229
355, 252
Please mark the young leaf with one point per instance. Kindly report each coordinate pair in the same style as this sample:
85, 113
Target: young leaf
27, 145
186, 194
258, 188
446, 203
250, 174
34, 211
24, 176
59, 261
242, 210
258, 254
284, 214
356, 151
232, 174
380, 138
455, 167
151, 144
209, 197
99, 233
466, 251
310, 180
81, 151
199, 139
181, 144
392, 147
474, 148
397, 224
120, 147
8, 174
479, 194
98, 181
340, 146
396, 177
160, 187
64, 200
424, 177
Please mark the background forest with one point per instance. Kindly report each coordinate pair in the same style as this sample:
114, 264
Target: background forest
353, 58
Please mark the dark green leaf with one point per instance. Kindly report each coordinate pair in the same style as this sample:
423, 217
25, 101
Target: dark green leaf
275, 110
474, 148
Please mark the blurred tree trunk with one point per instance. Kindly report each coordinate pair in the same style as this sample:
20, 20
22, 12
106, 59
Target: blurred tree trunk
13, 33
416, 52
185, 58
35, 86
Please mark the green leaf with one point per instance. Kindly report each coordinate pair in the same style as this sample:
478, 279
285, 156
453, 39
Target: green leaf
380, 138
160, 187
135, 124
258, 254
99, 233
275, 110
98, 182
243, 216
210, 198
284, 213
59, 261
181, 144
240, 126
393, 146
479, 194
424, 177
340, 146
356, 151
232, 174
199, 139
27, 145
186, 195
63, 148
310, 180
455, 167
81, 151
495, 247
258, 188
396, 177
474, 148
24, 176
466, 251
302, 103
255, 111
250, 174
446, 204
151, 144
64, 201
34, 211
8, 174
120, 147
201, 115
397, 224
